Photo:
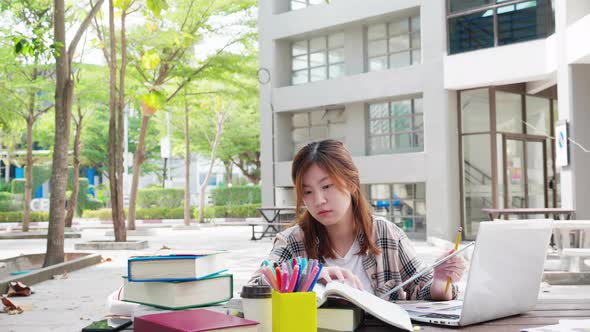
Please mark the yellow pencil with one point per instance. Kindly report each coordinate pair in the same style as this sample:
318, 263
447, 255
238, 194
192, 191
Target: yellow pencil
457, 240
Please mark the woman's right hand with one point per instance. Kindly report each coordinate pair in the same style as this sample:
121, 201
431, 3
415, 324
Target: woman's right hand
335, 273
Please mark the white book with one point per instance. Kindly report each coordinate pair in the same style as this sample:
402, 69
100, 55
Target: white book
176, 295
383, 310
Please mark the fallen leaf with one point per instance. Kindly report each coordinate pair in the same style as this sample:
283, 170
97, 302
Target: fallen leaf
9, 307
108, 259
164, 247
17, 288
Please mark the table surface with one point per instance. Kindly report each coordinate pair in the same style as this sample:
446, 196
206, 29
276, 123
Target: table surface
529, 210
547, 312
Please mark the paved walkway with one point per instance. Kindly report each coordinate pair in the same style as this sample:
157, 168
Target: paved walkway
72, 303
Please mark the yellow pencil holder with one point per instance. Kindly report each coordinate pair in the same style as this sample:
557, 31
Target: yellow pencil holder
294, 312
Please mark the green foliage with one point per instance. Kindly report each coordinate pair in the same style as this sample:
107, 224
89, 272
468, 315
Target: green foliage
5, 187
41, 173
237, 211
18, 186
236, 195
11, 205
156, 6
17, 216
5, 196
102, 214
93, 204
160, 197
82, 192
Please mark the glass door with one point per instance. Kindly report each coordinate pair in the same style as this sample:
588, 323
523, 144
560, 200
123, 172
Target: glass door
524, 171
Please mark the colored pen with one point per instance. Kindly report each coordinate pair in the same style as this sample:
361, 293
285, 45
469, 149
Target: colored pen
457, 240
315, 279
309, 280
268, 276
301, 282
285, 280
279, 281
294, 278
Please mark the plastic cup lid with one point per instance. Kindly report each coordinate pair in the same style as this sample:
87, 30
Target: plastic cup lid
256, 291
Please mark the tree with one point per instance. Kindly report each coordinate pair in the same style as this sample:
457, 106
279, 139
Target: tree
64, 89
27, 82
216, 111
170, 62
88, 98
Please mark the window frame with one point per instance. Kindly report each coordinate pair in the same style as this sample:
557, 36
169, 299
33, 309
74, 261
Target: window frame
550, 20
390, 215
388, 36
326, 49
310, 125
415, 134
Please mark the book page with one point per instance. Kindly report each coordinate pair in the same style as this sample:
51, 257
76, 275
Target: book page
386, 311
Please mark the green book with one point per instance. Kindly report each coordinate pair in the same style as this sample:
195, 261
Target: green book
178, 295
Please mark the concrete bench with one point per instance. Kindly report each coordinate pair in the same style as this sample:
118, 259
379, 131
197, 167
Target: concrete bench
575, 257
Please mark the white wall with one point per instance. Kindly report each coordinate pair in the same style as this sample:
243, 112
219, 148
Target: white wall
350, 89
514, 63
337, 13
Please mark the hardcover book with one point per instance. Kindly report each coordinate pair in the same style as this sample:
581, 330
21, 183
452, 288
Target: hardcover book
176, 295
192, 321
175, 267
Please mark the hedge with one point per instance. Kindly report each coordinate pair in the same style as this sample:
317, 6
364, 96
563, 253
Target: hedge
93, 204
4, 196
237, 195
18, 186
238, 211
17, 216
160, 197
11, 205
40, 175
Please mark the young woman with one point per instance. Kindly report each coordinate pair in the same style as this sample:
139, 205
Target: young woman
337, 228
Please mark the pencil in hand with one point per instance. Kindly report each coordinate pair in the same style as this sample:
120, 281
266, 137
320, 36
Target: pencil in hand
457, 240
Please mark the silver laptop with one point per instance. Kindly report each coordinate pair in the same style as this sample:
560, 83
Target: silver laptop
504, 275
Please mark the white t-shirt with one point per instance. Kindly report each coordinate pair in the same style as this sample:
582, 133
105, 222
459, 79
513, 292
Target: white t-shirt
354, 263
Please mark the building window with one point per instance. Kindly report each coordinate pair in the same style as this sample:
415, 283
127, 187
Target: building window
477, 24
403, 204
395, 44
317, 59
318, 125
396, 126
300, 4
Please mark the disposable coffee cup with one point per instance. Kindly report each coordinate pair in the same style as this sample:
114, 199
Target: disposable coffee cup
257, 305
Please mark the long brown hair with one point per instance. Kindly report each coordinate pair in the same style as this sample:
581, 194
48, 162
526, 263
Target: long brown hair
332, 157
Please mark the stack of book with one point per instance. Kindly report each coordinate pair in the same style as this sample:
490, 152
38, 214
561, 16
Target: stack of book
178, 281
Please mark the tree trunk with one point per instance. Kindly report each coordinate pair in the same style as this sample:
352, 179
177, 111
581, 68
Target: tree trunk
73, 202
64, 89
218, 133
29, 169
59, 175
187, 168
121, 133
139, 159
115, 164
227, 165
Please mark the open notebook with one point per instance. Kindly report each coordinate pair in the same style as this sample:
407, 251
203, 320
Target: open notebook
383, 310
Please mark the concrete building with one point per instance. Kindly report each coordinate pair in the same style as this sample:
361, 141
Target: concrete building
448, 106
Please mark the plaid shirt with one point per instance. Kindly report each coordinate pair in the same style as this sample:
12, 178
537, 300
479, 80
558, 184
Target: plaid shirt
396, 262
